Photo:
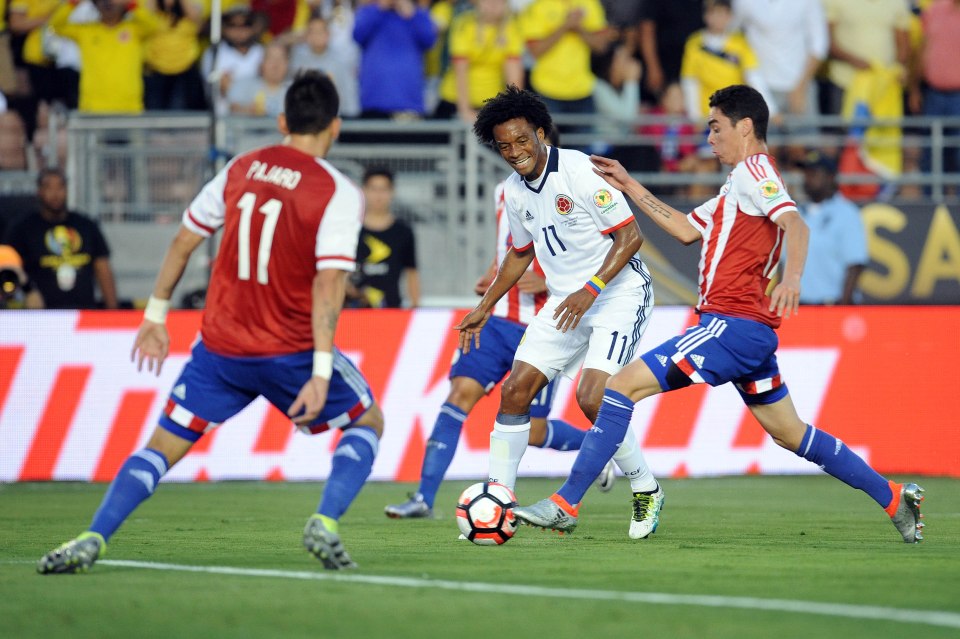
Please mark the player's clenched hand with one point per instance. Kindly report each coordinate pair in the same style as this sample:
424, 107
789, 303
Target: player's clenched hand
152, 345
785, 298
469, 328
310, 401
611, 171
571, 310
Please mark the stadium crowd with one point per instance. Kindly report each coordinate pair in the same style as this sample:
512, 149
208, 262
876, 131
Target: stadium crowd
412, 59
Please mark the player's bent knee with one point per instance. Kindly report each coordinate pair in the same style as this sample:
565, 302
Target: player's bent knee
373, 419
515, 397
465, 393
171, 446
589, 403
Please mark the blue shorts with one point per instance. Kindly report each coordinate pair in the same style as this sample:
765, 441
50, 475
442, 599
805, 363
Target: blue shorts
487, 365
213, 388
721, 349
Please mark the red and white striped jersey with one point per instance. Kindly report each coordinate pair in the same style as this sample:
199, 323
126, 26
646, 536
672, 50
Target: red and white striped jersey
515, 305
741, 242
285, 215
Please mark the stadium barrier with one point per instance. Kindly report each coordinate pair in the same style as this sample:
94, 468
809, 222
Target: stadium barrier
73, 407
136, 174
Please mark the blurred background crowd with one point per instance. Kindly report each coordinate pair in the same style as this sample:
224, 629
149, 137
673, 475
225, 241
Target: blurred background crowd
412, 59
838, 75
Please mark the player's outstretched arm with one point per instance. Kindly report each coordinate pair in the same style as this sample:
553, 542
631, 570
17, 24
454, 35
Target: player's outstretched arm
152, 342
666, 217
329, 291
511, 270
785, 297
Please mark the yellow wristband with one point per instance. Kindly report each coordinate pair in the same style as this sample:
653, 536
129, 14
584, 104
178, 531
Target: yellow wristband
596, 280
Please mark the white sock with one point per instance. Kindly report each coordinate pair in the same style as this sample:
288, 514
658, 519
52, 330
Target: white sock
508, 442
633, 465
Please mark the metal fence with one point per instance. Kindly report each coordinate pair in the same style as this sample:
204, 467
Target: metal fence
136, 175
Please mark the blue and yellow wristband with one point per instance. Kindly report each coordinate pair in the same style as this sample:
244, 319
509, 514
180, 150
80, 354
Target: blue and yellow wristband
595, 286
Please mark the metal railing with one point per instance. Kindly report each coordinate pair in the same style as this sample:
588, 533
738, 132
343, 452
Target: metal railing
136, 175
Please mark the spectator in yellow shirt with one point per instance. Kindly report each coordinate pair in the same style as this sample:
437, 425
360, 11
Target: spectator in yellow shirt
717, 57
561, 35
111, 54
486, 49
172, 80
49, 81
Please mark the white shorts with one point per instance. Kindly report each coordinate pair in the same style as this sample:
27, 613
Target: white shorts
607, 338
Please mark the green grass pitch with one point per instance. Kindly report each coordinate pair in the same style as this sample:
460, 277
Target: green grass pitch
794, 541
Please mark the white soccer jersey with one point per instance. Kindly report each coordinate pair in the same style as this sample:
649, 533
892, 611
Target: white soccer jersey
515, 305
569, 216
741, 242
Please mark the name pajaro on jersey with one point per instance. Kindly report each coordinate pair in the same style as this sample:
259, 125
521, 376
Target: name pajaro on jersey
285, 215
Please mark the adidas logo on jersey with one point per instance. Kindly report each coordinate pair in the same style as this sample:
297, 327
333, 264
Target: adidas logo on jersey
697, 359
528, 216
180, 391
662, 359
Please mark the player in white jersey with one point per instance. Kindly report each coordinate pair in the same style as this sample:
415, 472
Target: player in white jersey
742, 231
475, 374
586, 239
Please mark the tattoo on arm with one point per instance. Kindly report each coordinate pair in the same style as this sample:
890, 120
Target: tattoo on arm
654, 206
329, 316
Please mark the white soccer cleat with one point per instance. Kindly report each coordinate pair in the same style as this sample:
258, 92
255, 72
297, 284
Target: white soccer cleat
646, 513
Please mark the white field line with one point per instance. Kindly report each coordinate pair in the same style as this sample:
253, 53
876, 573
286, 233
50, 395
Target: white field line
903, 615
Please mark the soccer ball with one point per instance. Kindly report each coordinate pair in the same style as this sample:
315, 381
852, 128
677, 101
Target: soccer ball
485, 513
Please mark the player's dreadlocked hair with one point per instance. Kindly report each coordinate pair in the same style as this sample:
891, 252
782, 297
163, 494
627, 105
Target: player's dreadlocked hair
507, 105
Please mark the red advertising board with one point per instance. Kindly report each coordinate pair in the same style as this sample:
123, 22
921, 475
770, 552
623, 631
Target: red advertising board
73, 406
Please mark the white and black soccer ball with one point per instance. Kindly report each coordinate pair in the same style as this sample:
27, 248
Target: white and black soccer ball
485, 513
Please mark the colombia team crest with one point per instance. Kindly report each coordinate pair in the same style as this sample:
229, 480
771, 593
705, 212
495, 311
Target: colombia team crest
564, 204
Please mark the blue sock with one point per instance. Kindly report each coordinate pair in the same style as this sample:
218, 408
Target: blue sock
440, 450
599, 445
135, 481
562, 436
833, 456
352, 461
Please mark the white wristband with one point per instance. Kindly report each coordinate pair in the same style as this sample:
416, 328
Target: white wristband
322, 364
156, 310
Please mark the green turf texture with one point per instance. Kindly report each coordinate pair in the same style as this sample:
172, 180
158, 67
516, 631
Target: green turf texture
797, 538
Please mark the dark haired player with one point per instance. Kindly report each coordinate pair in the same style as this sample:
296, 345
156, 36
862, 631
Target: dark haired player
585, 238
742, 231
290, 225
